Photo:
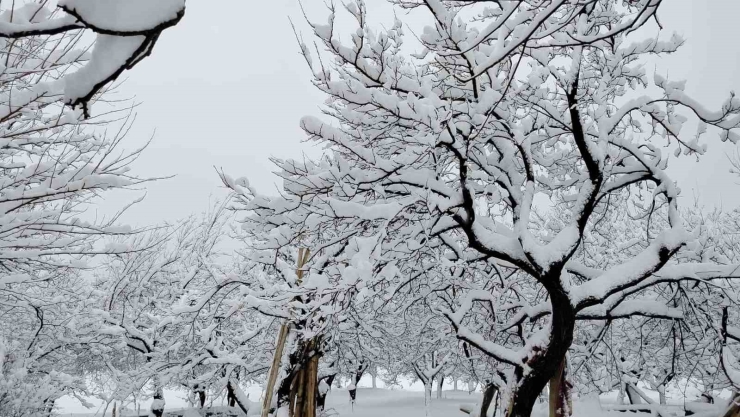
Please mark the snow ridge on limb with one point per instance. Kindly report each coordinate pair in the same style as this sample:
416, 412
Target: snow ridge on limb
126, 33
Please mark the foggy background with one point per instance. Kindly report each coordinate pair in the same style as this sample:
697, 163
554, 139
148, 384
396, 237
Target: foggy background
227, 86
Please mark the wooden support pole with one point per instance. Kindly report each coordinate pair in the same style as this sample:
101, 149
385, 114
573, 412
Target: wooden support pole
280, 345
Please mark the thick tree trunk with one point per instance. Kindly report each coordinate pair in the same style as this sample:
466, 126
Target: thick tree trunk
485, 404
545, 364
299, 390
734, 408
454, 384
560, 402
310, 381
440, 384
374, 375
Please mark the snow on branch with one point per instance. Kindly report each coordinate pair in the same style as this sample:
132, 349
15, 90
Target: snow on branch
126, 33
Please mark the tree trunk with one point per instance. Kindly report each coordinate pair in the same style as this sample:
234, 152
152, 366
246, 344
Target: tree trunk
454, 384
471, 387
49, 407
633, 396
544, 364
428, 398
236, 396
202, 398
311, 389
440, 383
375, 379
231, 401
358, 376
734, 407
321, 399
299, 390
661, 393
560, 403
158, 399
114, 413
485, 404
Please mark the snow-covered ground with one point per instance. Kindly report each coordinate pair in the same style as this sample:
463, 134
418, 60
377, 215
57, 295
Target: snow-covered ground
382, 402
402, 403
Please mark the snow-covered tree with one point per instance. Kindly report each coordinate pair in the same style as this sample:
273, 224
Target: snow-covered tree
54, 162
125, 33
439, 160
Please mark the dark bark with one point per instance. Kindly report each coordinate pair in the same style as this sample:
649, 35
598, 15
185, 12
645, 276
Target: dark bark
360, 372
485, 404
299, 389
632, 395
734, 407
231, 388
49, 407
158, 396
544, 364
286, 385
358, 376
321, 398
230, 397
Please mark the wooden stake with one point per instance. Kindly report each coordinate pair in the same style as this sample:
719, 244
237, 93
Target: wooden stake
280, 345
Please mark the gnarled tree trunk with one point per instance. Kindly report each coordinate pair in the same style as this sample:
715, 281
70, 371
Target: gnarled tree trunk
545, 364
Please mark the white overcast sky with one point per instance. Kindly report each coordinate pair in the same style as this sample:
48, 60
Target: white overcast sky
227, 87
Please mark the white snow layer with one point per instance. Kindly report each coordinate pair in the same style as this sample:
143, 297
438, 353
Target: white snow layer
124, 15
109, 54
